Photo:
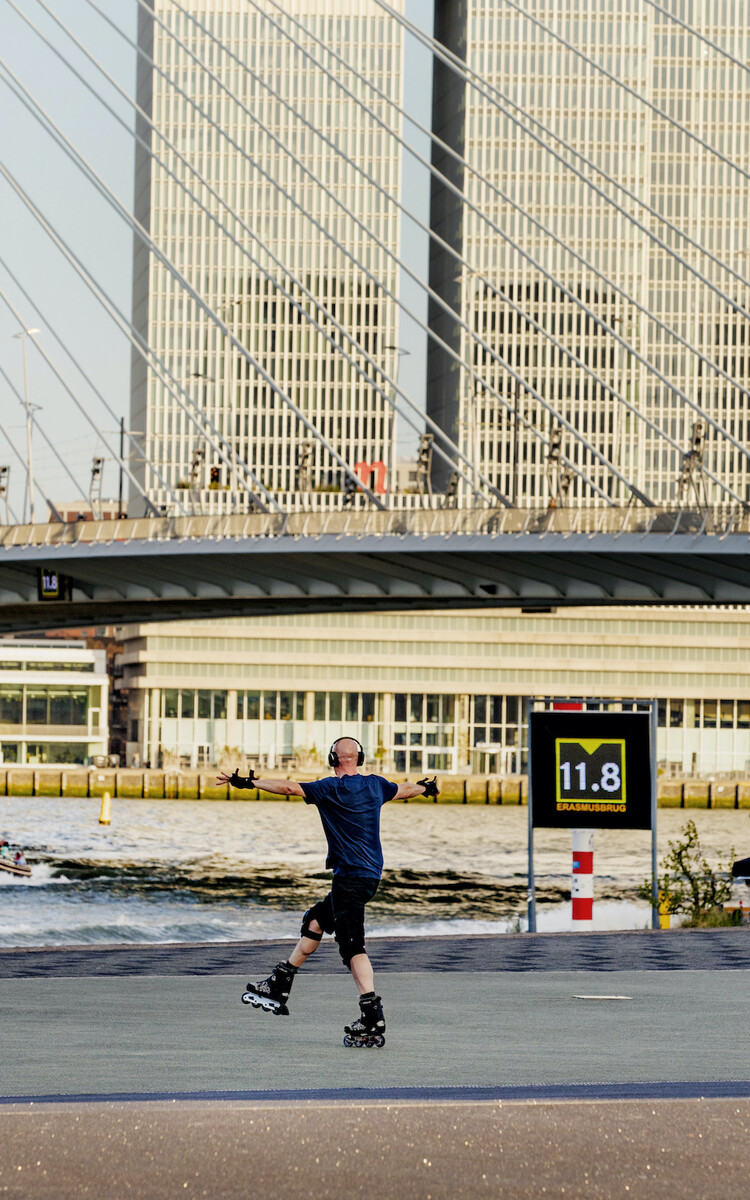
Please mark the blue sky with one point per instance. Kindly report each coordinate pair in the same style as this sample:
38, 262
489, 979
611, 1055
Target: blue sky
97, 235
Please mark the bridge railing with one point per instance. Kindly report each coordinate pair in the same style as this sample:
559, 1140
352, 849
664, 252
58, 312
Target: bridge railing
719, 521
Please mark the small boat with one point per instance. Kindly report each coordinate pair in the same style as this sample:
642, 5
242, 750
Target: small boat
14, 868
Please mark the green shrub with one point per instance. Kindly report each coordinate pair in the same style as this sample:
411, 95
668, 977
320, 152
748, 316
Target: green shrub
689, 884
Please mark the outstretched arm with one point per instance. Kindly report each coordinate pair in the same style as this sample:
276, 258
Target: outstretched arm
277, 787
425, 787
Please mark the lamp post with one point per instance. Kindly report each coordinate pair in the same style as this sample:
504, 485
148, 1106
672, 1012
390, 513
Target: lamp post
392, 458
26, 333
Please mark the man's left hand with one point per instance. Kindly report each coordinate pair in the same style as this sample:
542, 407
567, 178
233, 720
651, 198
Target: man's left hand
430, 786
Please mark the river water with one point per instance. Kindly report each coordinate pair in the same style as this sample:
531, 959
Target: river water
186, 871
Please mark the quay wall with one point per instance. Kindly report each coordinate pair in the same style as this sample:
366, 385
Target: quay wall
161, 784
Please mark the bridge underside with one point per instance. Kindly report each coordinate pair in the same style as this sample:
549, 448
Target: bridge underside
118, 582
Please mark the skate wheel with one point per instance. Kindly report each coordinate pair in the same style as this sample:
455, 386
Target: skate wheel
348, 1041
379, 1041
248, 998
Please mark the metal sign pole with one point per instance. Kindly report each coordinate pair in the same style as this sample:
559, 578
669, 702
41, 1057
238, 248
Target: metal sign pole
531, 910
654, 863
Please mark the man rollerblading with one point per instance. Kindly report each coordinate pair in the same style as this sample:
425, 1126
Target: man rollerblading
272, 994
369, 1028
349, 805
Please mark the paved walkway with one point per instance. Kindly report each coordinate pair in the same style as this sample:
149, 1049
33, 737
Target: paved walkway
148, 1049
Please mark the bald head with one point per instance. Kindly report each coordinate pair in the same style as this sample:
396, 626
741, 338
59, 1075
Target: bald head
347, 751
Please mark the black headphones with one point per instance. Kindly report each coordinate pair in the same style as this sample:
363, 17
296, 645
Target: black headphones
333, 758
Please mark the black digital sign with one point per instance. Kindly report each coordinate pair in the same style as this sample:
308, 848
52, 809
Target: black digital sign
590, 769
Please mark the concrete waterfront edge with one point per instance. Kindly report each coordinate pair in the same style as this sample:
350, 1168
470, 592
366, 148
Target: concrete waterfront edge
169, 784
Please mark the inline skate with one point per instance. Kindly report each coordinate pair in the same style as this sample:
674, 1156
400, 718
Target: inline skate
272, 994
369, 1028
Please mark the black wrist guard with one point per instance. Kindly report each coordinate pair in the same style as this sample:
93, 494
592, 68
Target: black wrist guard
243, 781
430, 786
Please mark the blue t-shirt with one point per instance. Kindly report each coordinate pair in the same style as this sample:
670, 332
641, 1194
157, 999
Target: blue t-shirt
349, 807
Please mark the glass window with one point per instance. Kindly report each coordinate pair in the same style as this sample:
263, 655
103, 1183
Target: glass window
11, 706
662, 718
36, 707
220, 706
79, 707
511, 710
432, 709
399, 739
59, 708
10, 752
286, 699
368, 706
252, 706
726, 714
480, 709
204, 705
743, 714
415, 739
399, 707
676, 713
496, 709
415, 707
352, 706
299, 706
334, 706
170, 702
269, 706
187, 702
134, 730
320, 706
399, 760
709, 714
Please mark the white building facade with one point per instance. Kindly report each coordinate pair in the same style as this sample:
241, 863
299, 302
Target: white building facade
432, 692
247, 125
54, 702
551, 233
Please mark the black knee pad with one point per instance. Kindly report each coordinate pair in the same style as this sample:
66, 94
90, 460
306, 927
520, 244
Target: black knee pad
306, 931
350, 937
323, 914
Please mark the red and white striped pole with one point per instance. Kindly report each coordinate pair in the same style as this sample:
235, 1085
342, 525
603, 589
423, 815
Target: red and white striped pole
582, 888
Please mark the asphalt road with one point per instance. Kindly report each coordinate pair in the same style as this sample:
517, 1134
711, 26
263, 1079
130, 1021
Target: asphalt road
513, 1067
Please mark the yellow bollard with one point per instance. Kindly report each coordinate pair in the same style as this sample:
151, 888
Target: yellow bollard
104, 813
664, 913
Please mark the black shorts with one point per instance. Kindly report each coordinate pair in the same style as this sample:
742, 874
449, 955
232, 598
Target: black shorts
343, 912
